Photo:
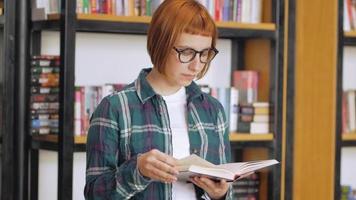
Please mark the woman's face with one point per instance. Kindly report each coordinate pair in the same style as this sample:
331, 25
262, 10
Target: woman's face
180, 74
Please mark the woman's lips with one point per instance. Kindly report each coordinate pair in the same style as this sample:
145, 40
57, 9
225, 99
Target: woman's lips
188, 76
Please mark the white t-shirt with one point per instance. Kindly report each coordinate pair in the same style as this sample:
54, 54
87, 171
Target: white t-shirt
176, 104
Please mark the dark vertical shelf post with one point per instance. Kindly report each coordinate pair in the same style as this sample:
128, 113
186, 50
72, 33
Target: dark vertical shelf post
276, 95
66, 119
339, 91
288, 193
21, 59
8, 124
34, 159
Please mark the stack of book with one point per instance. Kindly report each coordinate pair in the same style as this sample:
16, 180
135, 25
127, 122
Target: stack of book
44, 98
254, 118
247, 188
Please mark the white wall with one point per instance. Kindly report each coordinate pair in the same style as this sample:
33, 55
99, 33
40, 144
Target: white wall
348, 155
110, 58
48, 170
348, 166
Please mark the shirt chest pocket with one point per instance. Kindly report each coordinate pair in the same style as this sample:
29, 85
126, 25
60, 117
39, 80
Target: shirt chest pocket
141, 140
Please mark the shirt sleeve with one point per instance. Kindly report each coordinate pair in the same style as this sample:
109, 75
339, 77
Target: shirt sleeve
105, 178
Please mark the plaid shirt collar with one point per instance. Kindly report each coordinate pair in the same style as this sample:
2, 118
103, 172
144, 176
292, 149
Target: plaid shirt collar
145, 91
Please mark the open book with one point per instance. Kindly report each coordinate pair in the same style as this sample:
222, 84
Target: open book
194, 165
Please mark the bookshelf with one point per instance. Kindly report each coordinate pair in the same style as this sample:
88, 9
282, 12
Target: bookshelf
249, 41
346, 39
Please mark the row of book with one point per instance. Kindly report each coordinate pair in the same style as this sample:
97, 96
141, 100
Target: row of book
349, 15
349, 111
247, 188
44, 94
347, 193
244, 113
244, 11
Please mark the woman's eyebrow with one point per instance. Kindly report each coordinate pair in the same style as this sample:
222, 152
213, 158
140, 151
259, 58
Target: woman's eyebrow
189, 47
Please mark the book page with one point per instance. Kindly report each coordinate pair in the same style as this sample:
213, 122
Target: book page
184, 163
241, 168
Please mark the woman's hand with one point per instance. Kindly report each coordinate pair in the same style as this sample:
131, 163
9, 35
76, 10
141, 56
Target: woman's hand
158, 166
216, 190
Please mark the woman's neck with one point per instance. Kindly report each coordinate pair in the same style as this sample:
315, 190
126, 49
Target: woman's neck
160, 83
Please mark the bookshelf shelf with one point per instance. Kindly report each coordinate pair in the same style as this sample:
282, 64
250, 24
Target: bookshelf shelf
50, 142
139, 25
243, 137
349, 136
350, 38
349, 139
247, 140
350, 34
54, 138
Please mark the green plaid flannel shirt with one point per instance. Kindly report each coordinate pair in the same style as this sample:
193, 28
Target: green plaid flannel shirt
135, 120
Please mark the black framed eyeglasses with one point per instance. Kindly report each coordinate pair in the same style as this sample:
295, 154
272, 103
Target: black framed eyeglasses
186, 55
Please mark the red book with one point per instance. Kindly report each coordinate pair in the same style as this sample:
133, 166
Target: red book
93, 7
246, 82
108, 4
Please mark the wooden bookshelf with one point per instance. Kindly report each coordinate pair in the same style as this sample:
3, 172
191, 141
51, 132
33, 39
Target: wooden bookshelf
243, 137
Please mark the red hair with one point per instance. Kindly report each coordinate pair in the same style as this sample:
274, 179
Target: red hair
170, 20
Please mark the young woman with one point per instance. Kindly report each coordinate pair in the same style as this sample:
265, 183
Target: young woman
136, 135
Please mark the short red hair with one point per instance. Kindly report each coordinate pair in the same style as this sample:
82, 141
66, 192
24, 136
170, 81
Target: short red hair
170, 20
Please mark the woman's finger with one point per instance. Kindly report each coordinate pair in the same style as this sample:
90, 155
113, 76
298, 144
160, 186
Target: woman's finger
165, 167
162, 175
